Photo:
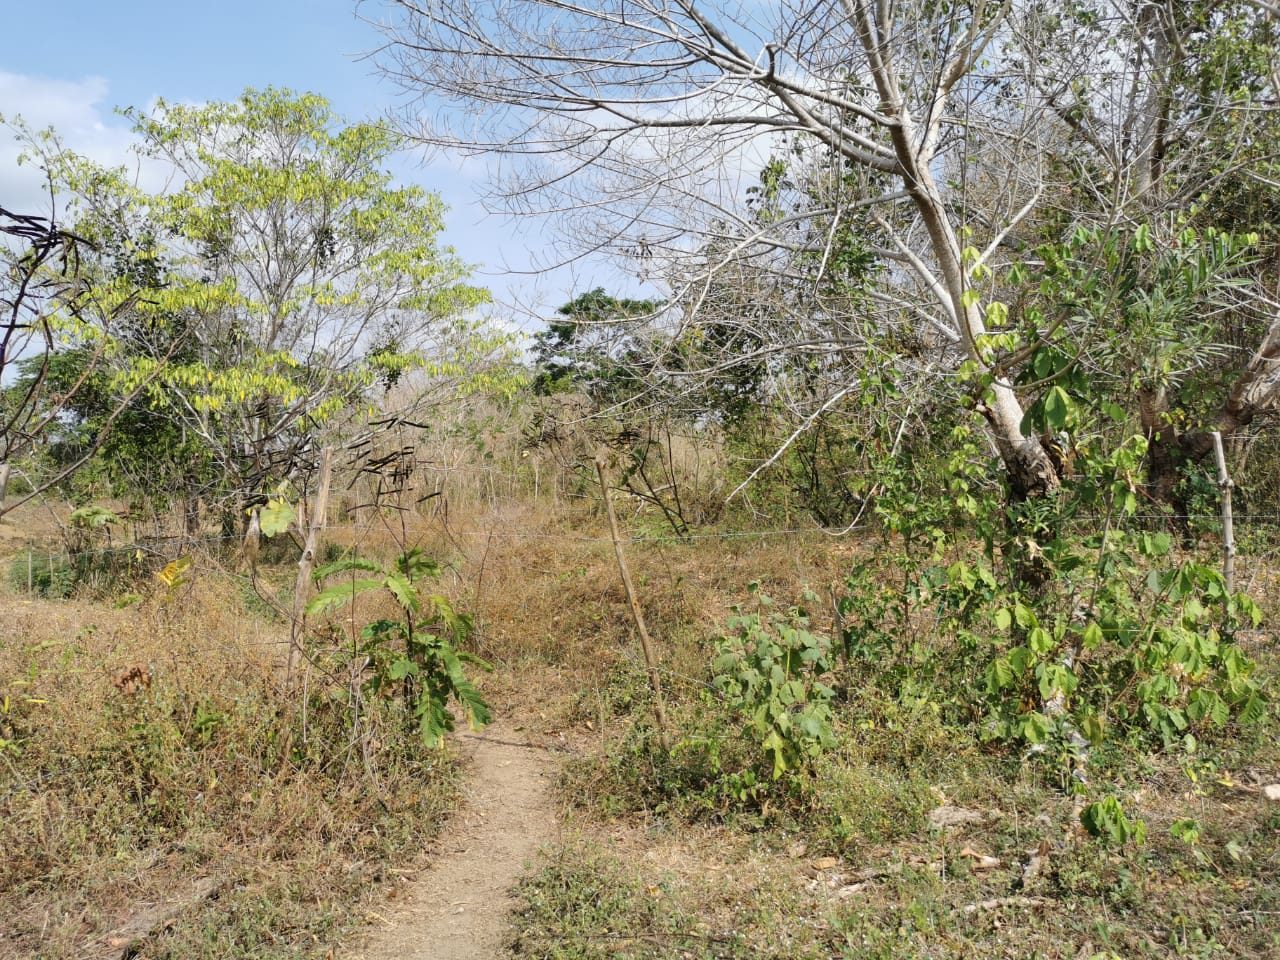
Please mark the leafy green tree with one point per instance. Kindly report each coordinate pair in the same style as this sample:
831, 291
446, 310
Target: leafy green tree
593, 348
303, 283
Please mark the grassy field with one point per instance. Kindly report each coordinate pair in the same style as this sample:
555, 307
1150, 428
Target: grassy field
161, 786
159, 792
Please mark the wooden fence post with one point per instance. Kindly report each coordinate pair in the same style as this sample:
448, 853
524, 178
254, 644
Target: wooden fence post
308, 559
659, 707
1228, 531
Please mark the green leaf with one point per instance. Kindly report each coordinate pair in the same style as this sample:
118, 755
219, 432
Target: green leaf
460, 625
404, 592
415, 565
434, 720
347, 564
1254, 709
1092, 636
999, 675
774, 744
93, 517
1057, 408
401, 668
1036, 727
1155, 544
336, 596
473, 703
1024, 615
1106, 820
275, 517
475, 661
1114, 411
960, 572
1040, 640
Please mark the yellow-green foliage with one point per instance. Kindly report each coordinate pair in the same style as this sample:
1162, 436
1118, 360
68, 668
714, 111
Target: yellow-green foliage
280, 282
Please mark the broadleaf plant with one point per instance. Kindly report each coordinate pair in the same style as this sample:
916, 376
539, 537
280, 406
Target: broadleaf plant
771, 671
416, 652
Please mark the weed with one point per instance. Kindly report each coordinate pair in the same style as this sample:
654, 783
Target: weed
416, 651
846, 802
95, 573
585, 904
771, 671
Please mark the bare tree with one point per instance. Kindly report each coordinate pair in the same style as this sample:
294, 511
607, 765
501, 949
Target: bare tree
934, 131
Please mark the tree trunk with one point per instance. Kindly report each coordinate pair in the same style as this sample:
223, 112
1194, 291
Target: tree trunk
1166, 457
1171, 451
302, 587
1028, 467
1029, 470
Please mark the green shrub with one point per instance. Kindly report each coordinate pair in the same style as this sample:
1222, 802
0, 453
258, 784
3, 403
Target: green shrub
772, 672
59, 575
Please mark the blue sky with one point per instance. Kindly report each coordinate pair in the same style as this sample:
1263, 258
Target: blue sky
70, 63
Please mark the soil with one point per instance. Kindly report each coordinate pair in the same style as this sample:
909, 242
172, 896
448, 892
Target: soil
459, 906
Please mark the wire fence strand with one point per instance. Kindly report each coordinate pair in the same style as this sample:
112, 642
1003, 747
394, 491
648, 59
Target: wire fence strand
155, 544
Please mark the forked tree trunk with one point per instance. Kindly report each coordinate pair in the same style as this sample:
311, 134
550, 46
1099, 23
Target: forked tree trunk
1030, 470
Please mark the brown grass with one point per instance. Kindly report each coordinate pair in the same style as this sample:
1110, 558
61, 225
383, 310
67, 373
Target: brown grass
121, 793
150, 758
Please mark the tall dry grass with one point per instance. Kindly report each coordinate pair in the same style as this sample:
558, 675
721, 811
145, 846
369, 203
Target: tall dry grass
157, 783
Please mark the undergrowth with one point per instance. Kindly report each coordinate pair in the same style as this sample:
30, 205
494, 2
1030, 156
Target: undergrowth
1142, 845
148, 756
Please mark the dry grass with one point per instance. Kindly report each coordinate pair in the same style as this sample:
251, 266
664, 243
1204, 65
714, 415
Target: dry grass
121, 797
843, 861
156, 786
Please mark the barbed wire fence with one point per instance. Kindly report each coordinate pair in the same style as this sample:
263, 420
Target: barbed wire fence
156, 549
46, 560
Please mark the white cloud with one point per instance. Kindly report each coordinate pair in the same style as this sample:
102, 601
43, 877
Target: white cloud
78, 110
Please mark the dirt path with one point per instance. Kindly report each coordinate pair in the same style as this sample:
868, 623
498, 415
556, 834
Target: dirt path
459, 908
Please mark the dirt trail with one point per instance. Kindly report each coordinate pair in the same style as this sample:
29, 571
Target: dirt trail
459, 907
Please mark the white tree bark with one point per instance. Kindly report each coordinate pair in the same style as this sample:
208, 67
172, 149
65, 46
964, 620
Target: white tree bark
639, 128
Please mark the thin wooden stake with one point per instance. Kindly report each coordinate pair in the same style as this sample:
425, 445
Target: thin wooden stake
659, 708
308, 559
1228, 531
252, 540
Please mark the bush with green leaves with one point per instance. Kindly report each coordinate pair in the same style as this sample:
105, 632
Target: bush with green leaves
1063, 628
772, 671
1148, 650
89, 564
1106, 821
415, 652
